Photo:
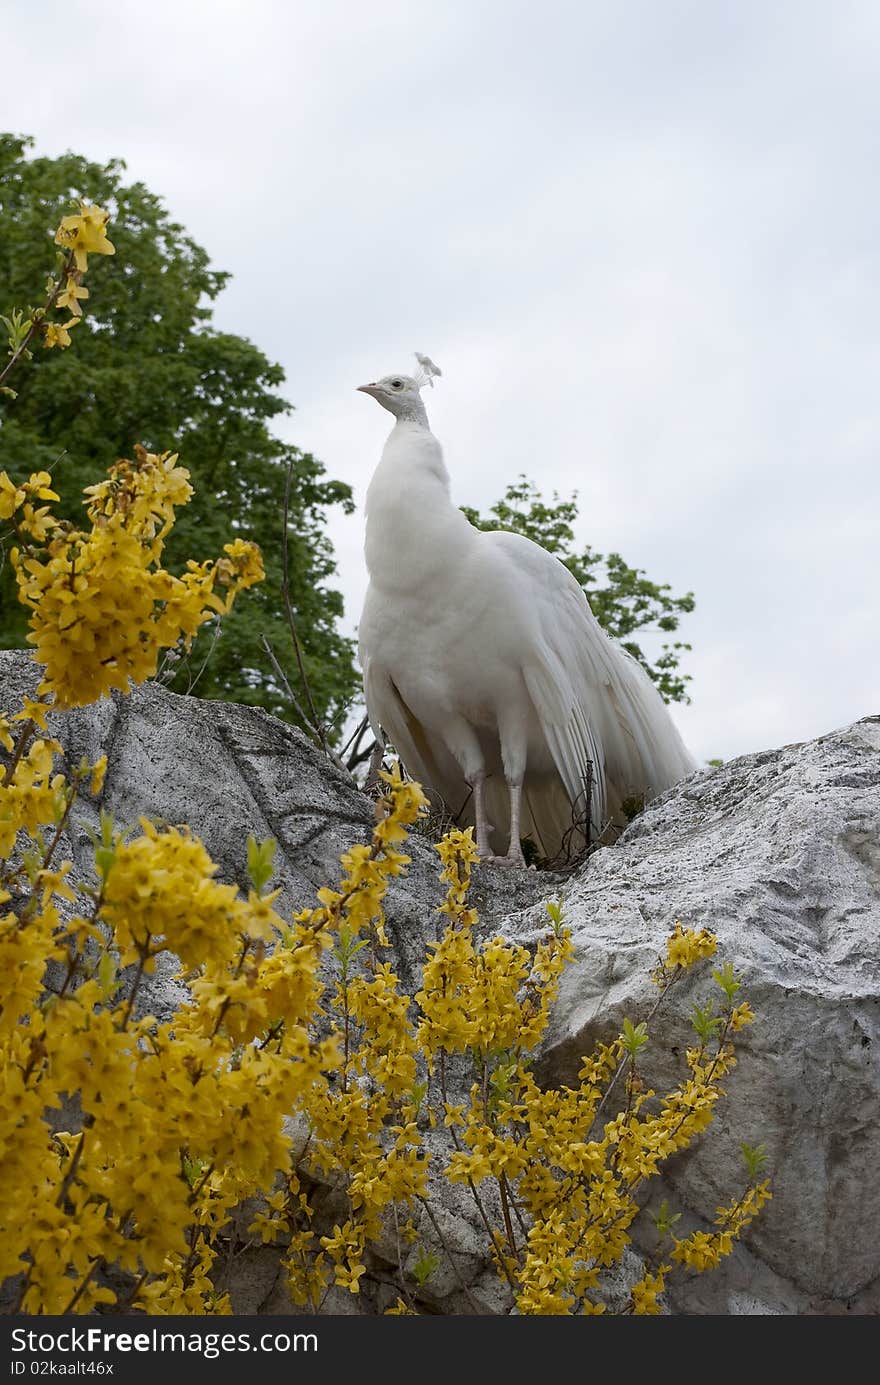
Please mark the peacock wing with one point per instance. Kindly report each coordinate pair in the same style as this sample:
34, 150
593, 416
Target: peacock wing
593, 701
425, 758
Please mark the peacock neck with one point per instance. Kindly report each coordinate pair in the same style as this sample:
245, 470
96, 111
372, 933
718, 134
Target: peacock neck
412, 411
412, 524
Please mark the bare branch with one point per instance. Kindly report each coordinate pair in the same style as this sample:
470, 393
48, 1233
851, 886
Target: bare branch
357, 734
376, 756
314, 719
307, 722
283, 680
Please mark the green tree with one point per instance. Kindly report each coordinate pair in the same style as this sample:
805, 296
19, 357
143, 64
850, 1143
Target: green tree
147, 366
623, 599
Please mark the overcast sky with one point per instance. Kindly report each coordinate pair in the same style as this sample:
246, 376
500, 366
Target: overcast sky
642, 240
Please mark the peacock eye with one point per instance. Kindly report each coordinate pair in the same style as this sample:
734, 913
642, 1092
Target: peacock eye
396, 384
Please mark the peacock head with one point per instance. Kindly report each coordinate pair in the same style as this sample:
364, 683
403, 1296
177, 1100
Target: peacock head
399, 394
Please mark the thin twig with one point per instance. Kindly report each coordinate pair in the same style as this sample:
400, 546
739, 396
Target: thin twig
283, 680
50, 850
358, 756
452, 1260
581, 825
86, 1280
213, 645
27, 730
22, 1293
478, 1202
74, 1162
404, 1289
631, 1188
135, 1290
198, 1189
356, 734
376, 757
142, 961
624, 1060
288, 607
505, 1211
518, 1214
38, 319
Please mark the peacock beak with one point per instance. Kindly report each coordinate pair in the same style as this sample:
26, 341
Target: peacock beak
368, 389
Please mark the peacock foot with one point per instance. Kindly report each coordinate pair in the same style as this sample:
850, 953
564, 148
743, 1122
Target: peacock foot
513, 859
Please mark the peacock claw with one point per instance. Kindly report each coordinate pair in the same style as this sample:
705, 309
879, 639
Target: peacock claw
510, 860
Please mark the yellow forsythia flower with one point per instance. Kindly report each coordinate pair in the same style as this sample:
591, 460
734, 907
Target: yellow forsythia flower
685, 946
102, 609
11, 496
741, 1016
85, 233
99, 770
58, 333
70, 296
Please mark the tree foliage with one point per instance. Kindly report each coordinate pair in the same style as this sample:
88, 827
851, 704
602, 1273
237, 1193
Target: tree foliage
150, 368
623, 599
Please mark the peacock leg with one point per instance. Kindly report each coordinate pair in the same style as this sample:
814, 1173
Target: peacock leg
513, 740
484, 826
514, 855
462, 740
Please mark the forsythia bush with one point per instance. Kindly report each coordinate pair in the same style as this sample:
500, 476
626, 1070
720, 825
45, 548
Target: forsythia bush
168, 1127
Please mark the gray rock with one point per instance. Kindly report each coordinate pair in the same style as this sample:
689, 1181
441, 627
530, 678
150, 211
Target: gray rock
778, 853
250, 1274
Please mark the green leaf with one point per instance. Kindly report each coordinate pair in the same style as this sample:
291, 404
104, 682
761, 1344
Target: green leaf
705, 1022
663, 1219
260, 857
107, 827
754, 1158
32, 861
193, 1169
501, 1081
634, 1037
417, 1096
424, 1266
726, 979
347, 949
104, 859
554, 913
